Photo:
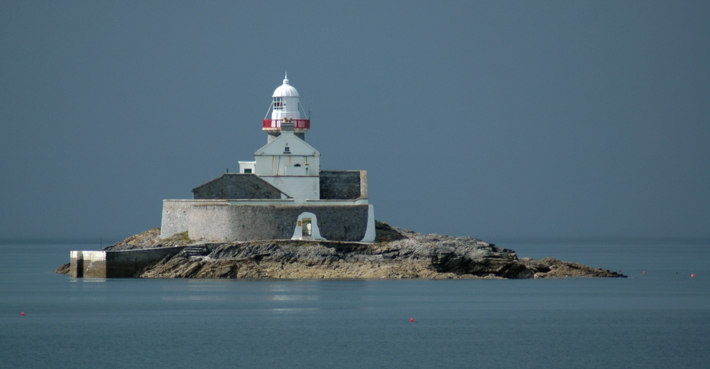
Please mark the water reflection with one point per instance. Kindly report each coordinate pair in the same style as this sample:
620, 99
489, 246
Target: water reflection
293, 310
273, 296
87, 280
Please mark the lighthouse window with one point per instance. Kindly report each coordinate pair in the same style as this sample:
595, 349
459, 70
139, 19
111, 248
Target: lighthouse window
278, 103
297, 165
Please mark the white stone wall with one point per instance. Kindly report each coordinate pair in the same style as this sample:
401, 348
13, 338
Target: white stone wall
230, 220
283, 165
88, 255
175, 217
212, 222
91, 264
300, 188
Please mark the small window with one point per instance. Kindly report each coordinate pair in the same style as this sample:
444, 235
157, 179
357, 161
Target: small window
247, 171
278, 103
297, 165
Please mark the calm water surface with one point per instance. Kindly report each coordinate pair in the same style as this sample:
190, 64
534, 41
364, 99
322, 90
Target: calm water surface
656, 319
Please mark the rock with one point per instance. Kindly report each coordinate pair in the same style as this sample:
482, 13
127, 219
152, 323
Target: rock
555, 268
150, 239
64, 269
397, 253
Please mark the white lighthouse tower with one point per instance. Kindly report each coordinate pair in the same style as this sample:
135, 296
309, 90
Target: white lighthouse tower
287, 162
286, 108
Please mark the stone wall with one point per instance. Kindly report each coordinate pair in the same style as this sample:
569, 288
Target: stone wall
225, 222
115, 264
236, 186
90, 264
175, 217
343, 184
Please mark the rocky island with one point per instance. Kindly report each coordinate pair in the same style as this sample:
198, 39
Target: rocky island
282, 216
396, 254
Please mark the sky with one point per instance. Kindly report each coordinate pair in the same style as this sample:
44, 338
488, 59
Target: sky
490, 119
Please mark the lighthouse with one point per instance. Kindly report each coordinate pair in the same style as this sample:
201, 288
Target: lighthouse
287, 161
282, 194
285, 108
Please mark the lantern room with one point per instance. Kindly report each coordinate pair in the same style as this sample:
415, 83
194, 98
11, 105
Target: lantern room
286, 107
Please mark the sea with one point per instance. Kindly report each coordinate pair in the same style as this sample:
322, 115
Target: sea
658, 317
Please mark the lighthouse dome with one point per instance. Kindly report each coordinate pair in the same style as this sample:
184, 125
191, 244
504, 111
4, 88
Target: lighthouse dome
285, 90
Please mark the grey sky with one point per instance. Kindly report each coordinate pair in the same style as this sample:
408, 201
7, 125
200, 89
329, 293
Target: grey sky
490, 119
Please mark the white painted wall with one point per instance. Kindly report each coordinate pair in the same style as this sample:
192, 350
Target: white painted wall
291, 165
287, 165
281, 156
370, 231
300, 188
247, 165
88, 255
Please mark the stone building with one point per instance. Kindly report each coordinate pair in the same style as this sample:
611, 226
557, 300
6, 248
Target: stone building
281, 194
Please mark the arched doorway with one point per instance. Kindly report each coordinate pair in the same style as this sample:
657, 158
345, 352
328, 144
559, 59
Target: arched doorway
307, 227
